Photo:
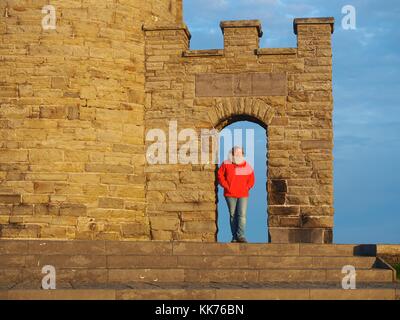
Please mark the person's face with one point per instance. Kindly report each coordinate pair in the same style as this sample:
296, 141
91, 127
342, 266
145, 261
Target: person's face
238, 153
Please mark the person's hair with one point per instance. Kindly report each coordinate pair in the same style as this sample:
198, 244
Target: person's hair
236, 148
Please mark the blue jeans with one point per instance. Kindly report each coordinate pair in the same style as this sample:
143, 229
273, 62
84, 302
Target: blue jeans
237, 211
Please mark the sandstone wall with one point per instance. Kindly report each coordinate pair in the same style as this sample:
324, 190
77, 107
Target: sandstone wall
71, 118
287, 91
76, 103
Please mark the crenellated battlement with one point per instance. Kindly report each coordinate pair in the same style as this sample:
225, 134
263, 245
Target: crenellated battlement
243, 36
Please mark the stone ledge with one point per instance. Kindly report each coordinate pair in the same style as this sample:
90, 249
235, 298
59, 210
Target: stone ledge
390, 249
242, 24
203, 293
204, 53
276, 51
174, 27
313, 21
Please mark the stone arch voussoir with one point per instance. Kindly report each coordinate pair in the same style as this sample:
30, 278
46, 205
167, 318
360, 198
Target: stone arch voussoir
227, 110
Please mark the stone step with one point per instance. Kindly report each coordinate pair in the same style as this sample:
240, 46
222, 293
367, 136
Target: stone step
211, 293
180, 248
110, 262
11, 277
178, 261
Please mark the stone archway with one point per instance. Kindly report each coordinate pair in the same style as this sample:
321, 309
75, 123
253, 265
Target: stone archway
232, 128
226, 111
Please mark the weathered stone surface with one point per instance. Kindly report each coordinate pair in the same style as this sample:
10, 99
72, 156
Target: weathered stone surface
218, 293
183, 248
111, 203
10, 198
284, 210
370, 276
259, 294
142, 248
164, 223
148, 275
234, 276
240, 85
90, 294
359, 294
298, 235
293, 275
170, 294
66, 247
277, 185
74, 115
199, 262
181, 269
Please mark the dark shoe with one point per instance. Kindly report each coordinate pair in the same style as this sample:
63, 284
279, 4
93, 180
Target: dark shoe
234, 240
242, 240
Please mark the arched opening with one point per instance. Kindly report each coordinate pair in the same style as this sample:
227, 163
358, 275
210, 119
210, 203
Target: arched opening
250, 133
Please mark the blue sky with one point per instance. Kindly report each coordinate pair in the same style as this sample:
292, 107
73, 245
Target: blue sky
366, 84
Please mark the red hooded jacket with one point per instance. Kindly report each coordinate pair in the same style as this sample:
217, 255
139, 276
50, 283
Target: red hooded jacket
236, 179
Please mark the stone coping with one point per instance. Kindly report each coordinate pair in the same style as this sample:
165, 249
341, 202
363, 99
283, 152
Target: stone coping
259, 52
204, 53
210, 293
324, 20
188, 247
276, 51
242, 24
29, 285
171, 27
389, 249
239, 24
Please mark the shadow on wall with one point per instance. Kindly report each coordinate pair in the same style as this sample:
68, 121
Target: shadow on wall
368, 250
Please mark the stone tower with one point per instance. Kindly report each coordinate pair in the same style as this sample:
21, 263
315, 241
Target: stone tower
77, 101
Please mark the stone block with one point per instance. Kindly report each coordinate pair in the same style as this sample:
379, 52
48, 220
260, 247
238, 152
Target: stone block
148, 275
78, 247
183, 248
164, 223
263, 294
170, 294
297, 235
45, 155
11, 156
251, 84
138, 248
211, 262
115, 203
111, 168
292, 275
234, 276
150, 262
317, 222
363, 276
10, 198
76, 210
277, 185
199, 226
134, 229
316, 144
284, 210
359, 294
22, 210
44, 187
327, 250
17, 231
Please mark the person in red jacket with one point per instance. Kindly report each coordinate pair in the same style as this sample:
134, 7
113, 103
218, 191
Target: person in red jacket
236, 176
